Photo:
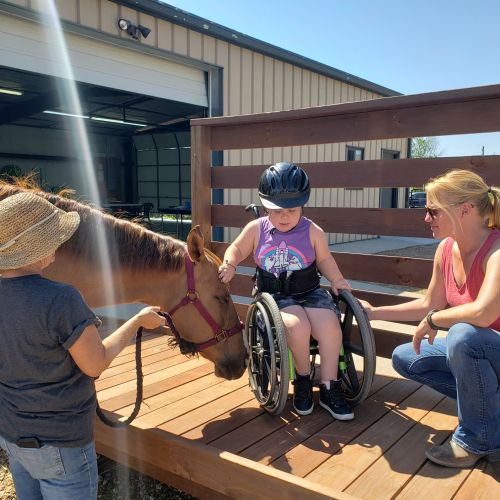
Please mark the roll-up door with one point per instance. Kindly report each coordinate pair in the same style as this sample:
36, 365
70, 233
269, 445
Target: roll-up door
28, 46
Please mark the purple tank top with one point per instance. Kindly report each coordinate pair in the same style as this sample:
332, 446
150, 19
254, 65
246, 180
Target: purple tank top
290, 251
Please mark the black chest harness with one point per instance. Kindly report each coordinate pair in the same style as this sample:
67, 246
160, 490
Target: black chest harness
288, 283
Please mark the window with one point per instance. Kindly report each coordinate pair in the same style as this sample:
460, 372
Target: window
353, 153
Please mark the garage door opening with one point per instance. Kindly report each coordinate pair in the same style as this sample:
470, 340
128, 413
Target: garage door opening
129, 133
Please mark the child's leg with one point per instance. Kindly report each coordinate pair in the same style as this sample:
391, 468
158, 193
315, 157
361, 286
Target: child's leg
298, 333
325, 328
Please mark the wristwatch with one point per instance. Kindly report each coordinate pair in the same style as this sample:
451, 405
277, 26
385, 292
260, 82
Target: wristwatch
429, 319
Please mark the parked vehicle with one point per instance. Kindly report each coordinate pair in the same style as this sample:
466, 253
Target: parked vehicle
417, 199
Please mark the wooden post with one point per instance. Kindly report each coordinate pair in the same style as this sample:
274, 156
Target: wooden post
201, 180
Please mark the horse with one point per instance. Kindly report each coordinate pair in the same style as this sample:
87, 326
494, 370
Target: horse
146, 267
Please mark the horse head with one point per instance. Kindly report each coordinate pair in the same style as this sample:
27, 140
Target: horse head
204, 320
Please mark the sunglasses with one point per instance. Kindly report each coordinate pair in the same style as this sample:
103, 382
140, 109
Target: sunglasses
432, 212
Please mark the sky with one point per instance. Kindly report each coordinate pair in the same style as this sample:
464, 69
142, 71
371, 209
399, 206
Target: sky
411, 46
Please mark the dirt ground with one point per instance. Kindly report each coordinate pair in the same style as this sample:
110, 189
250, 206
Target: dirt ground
118, 482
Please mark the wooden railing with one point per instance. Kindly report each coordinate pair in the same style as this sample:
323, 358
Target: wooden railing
461, 111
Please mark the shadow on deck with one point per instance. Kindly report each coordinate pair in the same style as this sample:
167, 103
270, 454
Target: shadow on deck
210, 438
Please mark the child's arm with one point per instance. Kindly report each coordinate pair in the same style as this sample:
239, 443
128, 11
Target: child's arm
239, 250
324, 260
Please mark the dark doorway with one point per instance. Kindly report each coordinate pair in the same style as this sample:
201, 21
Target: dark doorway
389, 196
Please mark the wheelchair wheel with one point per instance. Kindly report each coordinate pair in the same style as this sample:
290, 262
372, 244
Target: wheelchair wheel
268, 363
357, 368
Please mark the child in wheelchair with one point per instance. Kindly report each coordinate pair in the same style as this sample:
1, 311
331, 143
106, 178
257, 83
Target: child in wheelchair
289, 250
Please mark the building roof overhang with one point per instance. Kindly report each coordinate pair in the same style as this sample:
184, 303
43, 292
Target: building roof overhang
178, 16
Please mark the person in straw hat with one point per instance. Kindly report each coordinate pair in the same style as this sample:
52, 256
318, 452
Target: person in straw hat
51, 351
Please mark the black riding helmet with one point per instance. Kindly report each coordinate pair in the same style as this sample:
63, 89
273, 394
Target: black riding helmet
284, 185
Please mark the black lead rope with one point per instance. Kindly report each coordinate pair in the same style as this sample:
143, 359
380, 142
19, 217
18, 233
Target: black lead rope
138, 398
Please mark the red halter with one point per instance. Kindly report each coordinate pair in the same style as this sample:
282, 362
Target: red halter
192, 297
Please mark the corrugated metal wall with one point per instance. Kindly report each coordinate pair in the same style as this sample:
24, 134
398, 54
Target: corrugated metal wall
252, 83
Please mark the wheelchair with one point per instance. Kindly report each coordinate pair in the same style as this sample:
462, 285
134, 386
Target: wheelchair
271, 365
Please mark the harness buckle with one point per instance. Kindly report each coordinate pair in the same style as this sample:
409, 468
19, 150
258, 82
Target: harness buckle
221, 336
192, 296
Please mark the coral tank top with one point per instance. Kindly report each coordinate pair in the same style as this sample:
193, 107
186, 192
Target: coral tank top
469, 291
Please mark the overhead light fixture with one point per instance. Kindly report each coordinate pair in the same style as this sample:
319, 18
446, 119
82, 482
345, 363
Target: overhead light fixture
10, 91
134, 31
61, 113
119, 122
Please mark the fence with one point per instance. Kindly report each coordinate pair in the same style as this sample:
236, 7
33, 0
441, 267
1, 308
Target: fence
463, 111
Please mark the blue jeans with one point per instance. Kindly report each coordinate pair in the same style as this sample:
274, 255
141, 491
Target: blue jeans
53, 473
464, 366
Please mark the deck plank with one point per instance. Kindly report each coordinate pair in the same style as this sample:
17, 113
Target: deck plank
150, 379
208, 411
162, 415
128, 398
255, 430
175, 394
286, 438
436, 482
155, 356
403, 460
307, 456
483, 483
343, 468
225, 423
147, 369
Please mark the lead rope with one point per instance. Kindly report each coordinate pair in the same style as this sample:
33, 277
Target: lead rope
139, 375
138, 398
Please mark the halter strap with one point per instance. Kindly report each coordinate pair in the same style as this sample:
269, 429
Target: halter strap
192, 297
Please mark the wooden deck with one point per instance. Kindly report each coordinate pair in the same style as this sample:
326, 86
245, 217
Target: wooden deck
209, 437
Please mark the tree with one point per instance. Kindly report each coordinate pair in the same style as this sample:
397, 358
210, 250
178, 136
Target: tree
425, 147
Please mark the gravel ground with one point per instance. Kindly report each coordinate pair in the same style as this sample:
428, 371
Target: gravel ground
118, 482
418, 251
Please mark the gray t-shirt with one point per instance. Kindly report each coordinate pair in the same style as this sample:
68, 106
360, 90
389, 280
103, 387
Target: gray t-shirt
43, 393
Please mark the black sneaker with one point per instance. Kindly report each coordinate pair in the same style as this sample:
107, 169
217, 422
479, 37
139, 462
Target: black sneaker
303, 395
333, 400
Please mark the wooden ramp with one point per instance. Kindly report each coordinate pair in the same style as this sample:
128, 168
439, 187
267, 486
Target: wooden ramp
210, 438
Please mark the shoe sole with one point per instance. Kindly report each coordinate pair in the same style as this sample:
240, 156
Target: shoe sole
336, 415
304, 412
459, 465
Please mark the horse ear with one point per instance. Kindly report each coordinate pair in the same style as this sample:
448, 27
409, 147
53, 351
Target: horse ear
196, 244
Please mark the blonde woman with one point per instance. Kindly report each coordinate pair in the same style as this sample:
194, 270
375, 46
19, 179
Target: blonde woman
463, 296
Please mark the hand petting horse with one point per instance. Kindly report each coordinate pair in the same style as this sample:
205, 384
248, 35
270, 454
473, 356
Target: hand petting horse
182, 278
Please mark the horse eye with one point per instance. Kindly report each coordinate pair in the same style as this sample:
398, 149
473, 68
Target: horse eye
223, 300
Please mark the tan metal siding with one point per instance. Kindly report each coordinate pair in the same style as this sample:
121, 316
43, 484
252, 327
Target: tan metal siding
89, 13
252, 83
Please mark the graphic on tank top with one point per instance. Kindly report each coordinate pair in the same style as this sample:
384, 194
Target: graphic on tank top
283, 258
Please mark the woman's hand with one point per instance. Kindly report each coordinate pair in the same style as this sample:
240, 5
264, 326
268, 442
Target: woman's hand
340, 284
423, 331
226, 272
366, 306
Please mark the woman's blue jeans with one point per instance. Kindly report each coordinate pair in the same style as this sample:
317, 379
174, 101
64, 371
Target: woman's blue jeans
53, 473
464, 366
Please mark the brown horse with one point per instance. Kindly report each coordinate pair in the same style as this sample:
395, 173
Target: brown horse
154, 269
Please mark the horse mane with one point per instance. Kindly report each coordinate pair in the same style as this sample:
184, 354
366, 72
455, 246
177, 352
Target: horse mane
130, 244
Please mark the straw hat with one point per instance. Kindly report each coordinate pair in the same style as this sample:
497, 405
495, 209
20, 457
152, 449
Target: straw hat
31, 228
